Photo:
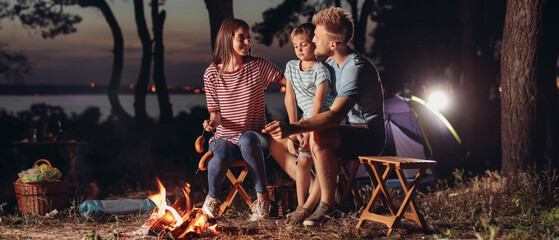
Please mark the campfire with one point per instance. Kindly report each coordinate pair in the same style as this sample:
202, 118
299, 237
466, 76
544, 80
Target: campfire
181, 220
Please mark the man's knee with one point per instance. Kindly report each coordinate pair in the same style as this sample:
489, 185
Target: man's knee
325, 140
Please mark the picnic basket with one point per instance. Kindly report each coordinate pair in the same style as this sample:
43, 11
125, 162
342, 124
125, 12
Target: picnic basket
41, 197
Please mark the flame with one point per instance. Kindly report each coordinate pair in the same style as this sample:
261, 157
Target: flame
179, 219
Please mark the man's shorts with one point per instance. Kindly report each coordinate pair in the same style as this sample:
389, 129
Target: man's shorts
358, 140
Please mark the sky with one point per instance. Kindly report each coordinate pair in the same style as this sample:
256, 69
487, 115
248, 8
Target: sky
85, 56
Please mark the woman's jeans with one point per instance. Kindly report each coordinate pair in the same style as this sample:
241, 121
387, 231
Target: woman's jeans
252, 147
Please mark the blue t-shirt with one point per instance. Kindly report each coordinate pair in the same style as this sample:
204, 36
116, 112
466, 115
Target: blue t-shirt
359, 80
305, 84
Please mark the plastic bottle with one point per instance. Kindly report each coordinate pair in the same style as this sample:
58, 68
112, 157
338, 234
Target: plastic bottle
117, 207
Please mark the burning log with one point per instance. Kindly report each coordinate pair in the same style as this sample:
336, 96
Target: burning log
195, 224
180, 221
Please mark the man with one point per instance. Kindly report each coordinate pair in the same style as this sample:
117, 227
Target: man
358, 107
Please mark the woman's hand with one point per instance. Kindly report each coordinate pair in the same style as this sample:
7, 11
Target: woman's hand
209, 125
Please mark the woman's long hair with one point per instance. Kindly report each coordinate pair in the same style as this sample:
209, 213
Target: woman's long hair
223, 49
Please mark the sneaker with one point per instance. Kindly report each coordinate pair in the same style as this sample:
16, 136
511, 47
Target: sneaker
298, 216
322, 213
260, 210
210, 207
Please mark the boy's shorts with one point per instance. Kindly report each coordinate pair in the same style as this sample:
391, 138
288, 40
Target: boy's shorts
358, 140
303, 153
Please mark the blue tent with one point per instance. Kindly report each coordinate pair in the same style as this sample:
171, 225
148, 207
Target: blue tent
417, 130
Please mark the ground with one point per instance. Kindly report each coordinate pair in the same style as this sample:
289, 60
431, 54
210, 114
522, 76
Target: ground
234, 228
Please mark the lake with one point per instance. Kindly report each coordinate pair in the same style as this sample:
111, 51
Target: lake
78, 103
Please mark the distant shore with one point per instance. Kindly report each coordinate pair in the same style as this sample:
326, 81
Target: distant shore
22, 89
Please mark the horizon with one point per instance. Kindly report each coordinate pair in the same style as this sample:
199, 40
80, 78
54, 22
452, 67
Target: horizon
85, 56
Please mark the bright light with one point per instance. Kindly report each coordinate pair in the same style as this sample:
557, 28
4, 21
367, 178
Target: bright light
438, 100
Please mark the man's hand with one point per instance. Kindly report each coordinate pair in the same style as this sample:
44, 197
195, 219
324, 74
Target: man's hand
278, 129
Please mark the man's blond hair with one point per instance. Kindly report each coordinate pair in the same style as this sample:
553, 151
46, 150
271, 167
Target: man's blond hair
337, 22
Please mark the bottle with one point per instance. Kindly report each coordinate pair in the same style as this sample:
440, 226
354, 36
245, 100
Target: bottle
117, 207
34, 135
59, 137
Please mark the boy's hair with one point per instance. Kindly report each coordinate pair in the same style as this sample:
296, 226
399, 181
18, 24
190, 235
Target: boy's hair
337, 22
223, 48
305, 30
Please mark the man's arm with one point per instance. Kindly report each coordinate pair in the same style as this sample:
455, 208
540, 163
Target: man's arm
327, 119
323, 120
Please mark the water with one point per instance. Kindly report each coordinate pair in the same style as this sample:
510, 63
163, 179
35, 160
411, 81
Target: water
78, 103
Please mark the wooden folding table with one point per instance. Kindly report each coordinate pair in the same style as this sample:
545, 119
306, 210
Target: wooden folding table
378, 179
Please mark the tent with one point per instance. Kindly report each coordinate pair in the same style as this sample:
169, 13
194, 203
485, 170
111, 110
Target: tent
417, 130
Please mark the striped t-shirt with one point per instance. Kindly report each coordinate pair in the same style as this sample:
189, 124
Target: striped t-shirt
305, 84
239, 96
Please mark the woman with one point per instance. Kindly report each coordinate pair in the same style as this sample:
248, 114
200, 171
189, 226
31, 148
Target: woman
235, 83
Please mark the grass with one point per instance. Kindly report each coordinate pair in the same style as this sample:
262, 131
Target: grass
486, 206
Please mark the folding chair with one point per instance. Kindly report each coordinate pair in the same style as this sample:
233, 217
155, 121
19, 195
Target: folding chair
349, 178
236, 181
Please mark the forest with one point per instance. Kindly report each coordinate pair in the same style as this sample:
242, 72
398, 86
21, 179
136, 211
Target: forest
497, 60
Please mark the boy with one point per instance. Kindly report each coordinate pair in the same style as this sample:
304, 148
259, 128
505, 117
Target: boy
359, 101
308, 88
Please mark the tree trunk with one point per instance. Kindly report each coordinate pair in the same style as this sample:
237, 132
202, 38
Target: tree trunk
218, 10
118, 56
165, 108
142, 84
361, 26
528, 98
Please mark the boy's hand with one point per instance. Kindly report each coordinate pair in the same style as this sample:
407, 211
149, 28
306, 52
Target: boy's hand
292, 146
304, 141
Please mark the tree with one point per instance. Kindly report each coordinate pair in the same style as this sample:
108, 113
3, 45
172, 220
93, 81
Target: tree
528, 81
151, 49
142, 83
14, 65
118, 56
35, 15
158, 18
280, 21
218, 11
42, 15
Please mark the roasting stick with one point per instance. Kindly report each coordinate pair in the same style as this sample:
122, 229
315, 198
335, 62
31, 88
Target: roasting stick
296, 144
219, 145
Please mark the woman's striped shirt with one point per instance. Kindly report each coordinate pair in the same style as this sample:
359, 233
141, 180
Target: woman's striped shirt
239, 96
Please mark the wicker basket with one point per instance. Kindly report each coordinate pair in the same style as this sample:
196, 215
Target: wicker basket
41, 197
282, 199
